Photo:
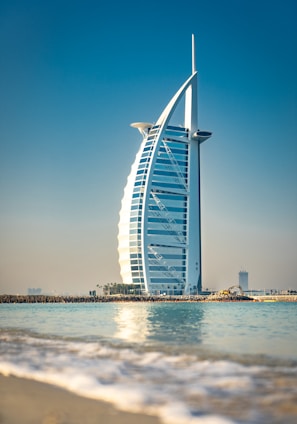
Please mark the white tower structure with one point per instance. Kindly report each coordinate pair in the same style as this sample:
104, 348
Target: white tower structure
159, 239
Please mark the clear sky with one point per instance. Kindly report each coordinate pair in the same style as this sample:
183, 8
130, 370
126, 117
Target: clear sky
75, 74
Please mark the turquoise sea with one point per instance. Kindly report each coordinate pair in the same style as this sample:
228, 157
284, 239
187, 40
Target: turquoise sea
189, 363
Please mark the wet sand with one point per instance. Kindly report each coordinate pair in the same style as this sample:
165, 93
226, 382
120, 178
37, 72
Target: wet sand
30, 402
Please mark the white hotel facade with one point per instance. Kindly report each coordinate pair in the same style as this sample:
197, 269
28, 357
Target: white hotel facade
159, 238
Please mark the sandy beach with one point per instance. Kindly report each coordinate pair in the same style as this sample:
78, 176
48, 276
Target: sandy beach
30, 402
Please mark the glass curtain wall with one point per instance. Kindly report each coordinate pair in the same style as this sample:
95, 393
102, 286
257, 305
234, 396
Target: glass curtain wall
164, 221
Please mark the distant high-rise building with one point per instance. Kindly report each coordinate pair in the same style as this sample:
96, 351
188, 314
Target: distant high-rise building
159, 239
243, 279
34, 291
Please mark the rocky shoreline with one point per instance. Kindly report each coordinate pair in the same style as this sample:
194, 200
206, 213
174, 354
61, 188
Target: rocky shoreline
114, 298
8, 298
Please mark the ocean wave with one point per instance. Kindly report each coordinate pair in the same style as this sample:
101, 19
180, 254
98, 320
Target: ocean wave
180, 389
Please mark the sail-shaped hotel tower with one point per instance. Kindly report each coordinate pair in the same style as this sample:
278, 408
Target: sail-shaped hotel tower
159, 239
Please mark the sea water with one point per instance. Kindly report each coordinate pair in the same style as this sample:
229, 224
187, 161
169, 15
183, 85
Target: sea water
188, 363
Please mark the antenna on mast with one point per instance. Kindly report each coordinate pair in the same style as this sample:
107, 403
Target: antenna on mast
193, 55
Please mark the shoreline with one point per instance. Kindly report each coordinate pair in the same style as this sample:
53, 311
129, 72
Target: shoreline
29, 401
8, 298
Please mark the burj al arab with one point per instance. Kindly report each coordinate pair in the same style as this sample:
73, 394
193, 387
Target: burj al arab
159, 238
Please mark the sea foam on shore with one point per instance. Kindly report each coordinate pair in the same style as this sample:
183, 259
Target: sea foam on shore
186, 363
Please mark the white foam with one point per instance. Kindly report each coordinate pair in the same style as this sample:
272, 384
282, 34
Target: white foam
151, 382
178, 414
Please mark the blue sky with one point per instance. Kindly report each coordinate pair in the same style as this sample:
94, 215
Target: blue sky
75, 74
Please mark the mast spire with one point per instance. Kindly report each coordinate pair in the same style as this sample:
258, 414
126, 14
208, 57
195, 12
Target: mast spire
191, 95
193, 55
